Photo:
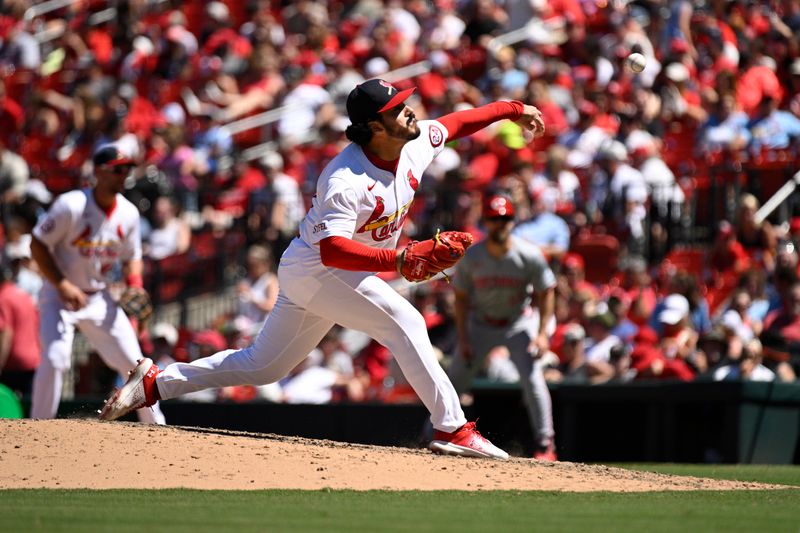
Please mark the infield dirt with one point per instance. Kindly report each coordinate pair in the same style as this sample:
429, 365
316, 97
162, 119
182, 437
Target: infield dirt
80, 453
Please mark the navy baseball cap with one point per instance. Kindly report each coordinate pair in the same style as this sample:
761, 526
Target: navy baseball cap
110, 155
373, 97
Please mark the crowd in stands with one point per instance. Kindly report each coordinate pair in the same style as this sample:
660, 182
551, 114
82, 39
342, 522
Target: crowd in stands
644, 193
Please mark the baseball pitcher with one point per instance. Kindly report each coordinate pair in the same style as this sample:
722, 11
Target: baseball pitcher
327, 274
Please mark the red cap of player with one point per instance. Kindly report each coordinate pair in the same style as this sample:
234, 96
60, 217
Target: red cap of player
498, 206
573, 261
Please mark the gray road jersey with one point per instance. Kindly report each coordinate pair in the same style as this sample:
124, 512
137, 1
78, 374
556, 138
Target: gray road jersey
500, 289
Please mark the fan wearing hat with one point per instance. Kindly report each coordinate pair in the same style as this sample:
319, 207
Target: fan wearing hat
328, 273
679, 339
573, 268
493, 308
573, 368
76, 244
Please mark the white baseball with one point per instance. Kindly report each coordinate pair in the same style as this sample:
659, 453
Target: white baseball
636, 62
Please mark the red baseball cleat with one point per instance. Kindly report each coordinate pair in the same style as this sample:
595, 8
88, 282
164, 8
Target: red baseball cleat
139, 391
466, 441
548, 453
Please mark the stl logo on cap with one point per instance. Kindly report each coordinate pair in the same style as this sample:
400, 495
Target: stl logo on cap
389, 87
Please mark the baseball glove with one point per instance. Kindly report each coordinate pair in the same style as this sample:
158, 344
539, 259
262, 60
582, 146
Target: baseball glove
421, 260
136, 303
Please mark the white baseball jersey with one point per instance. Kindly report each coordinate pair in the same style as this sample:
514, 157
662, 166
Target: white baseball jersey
357, 200
85, 241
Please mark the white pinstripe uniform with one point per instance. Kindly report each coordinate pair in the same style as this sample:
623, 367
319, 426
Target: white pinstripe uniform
85, 243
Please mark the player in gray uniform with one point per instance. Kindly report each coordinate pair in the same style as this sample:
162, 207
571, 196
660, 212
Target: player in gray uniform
493, 308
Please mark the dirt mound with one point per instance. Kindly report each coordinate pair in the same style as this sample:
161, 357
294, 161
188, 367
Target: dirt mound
78, 453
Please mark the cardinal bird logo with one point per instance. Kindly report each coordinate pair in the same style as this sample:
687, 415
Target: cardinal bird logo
414, 182
375, 216
383, 226
389, 87
82, 239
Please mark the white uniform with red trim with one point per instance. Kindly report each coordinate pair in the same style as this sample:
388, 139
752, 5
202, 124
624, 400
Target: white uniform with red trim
85, 243
357, 200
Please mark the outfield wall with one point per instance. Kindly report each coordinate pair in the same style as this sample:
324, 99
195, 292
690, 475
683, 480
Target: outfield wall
670, 422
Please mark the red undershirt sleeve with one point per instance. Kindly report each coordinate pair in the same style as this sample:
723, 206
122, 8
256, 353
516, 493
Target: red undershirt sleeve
347, 254
463, 123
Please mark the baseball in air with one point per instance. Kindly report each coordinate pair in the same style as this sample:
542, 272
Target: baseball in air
636, 62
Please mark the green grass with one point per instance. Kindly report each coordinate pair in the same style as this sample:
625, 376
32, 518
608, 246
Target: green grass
326, 511
778, 474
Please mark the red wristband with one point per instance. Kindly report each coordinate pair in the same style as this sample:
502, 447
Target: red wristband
135, 280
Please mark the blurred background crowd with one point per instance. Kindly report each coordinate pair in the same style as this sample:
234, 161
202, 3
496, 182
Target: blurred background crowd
646, 194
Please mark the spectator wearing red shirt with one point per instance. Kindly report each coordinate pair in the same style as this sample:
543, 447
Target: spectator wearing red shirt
573, 267
647, 360
20, 352
756, 82
678, 338
637, 283
12, 118
683, 112
727, 254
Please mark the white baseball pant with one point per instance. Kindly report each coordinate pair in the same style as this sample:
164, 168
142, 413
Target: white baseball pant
517, 338
107, 329
311, 300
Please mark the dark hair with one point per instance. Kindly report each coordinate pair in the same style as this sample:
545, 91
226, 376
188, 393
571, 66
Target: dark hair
359, 133
617, 352
6, 274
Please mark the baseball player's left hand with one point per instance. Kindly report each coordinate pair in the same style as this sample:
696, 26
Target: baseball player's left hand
421, 260
135, 302
539, 345
532, 120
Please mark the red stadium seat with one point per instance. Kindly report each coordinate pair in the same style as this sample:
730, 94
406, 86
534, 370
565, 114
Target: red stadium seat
601, 255
692, 260
204, 244
768, 171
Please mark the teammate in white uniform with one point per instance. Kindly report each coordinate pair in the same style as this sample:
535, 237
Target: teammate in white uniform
327, 275
76, 244
493, 284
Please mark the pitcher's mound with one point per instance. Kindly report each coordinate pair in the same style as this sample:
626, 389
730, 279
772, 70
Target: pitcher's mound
104, 455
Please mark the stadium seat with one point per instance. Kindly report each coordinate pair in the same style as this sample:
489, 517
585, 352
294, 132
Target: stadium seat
767, 172
601, 255
692, 260
204, 244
